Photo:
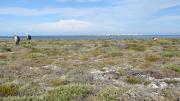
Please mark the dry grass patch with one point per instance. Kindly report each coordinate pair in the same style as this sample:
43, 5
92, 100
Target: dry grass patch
8, 90
136, 46
133, 80
152, 58
174, 67
57, 82
110, 93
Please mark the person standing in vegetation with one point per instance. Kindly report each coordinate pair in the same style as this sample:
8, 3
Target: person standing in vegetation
29, 38
17, 40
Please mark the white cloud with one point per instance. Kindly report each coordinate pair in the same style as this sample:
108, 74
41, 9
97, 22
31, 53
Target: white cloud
121, 15
72, 12
63, 26
120, 9
169, 18
142, 8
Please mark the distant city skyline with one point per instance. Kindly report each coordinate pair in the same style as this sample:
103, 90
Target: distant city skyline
89, 17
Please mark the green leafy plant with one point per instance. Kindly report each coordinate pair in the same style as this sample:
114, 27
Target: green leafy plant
69, 92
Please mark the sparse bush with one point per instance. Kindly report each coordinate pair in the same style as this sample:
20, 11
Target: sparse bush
133, 80
96, 52
100, 65
57, 82
146, 64
69, 92
121, 72
8, 90
170, 48
136, 47
31, 90
110, 93
113, 51
170, 54
175, 68
3, 56
85, 58
170, 94
3, 62
79, 76
171, 81
23, 98
114, 54
5, 49
152, 58
109, 62
147, 82
164, 42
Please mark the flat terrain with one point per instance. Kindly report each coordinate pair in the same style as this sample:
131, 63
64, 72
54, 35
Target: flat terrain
90, 70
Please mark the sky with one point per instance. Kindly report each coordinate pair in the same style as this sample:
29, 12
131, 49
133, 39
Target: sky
89, 17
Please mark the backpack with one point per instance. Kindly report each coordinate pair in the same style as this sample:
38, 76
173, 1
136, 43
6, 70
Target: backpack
18, 38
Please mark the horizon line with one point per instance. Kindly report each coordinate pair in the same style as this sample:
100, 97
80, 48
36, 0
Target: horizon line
98, 35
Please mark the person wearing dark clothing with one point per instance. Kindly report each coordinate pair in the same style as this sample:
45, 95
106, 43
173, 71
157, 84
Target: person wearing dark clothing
17, 40
29, 38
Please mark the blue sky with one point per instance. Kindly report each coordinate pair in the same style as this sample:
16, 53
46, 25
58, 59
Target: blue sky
84, 17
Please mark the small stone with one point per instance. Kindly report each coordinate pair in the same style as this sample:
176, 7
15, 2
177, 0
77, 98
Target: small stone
152, 85
163, 85
63, 77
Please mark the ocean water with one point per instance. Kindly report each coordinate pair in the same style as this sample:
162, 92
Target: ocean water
92, 37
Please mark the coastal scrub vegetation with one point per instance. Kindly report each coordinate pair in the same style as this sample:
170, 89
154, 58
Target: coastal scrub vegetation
90, 70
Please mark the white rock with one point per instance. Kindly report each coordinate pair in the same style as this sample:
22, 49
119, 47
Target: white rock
152, 85
177, 79
118, 83
63, 77
163, 85
150, 78
97, 74
95, 71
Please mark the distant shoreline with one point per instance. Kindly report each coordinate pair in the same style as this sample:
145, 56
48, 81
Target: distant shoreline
100, 35
93, 37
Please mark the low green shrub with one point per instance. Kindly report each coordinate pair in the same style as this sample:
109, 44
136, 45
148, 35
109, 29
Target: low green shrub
69, 92
23, 98
174, 67
113, 51
170, 54
3, 62
32, 89
110, 93
121, 72
85, 58
96, 52
3, 56
109, 62
8, 90
147, 82
57, 82
136, 47
171, 81
152, 58
5, 49
33, 55
133, 80
170, 94
114, 54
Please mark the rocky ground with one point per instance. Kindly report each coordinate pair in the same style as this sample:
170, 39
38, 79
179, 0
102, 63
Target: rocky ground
90, 70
